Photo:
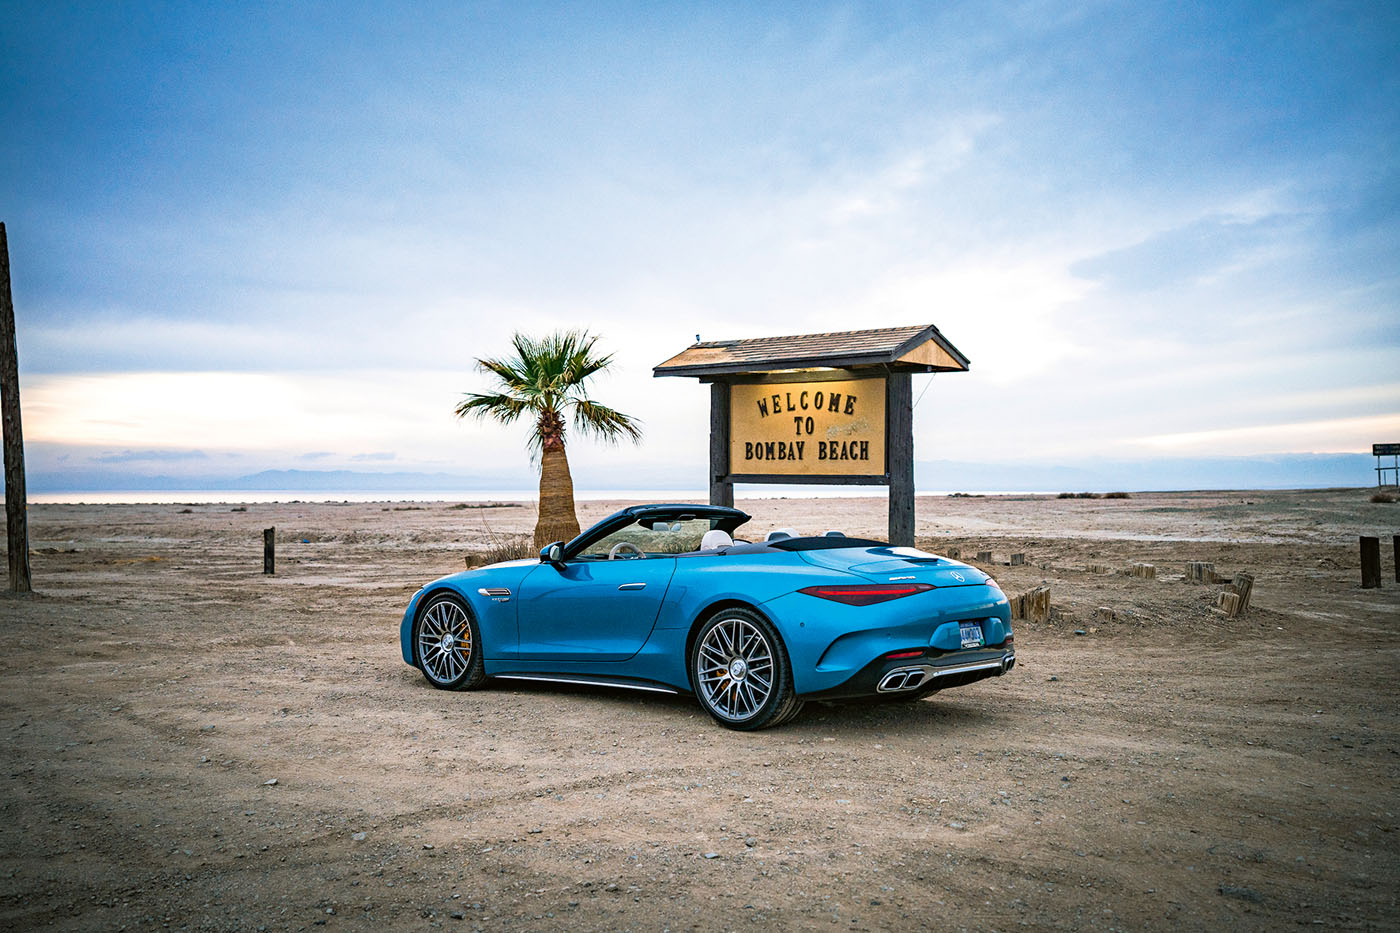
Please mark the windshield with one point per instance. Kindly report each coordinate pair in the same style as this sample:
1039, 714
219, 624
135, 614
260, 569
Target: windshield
649, 538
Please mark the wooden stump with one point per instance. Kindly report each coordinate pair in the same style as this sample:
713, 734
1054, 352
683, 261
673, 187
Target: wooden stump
1018, 560
1033, 606
1244, 586
984, 557
1200, 571
1370, 563
1235, 598
1099, 568
1145, 571
269, 549
953, 552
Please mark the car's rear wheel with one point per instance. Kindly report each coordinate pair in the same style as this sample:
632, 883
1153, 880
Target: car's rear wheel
448, 644
741, 673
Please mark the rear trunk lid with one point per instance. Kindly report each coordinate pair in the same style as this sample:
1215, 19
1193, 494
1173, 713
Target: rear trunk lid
889, 564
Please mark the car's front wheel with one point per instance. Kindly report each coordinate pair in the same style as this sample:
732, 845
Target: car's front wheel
741, 672
448, 644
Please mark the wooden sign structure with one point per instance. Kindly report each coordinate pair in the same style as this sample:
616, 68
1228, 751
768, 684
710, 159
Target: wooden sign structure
817, 408
16, 501
1393, 452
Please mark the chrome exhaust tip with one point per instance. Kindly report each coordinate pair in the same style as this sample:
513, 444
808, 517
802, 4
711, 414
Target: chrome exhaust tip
1008, 662
904, 678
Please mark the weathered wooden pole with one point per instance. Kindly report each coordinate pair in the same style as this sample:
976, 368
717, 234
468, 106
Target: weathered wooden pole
16, 506
269, 549
1244, 588
721, 490
1395, 544
899, 451
1370, 563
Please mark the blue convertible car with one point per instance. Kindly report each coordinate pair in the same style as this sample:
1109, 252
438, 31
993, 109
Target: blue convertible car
663, 598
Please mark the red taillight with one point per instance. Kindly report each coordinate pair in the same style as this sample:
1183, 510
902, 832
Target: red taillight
896, 655
865, 595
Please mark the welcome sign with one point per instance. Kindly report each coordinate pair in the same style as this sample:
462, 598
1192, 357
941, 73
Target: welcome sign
834, 428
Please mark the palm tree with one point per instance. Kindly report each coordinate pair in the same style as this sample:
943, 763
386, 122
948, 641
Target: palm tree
543, 381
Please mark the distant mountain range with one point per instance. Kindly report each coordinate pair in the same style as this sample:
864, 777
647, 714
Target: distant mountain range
1284, 471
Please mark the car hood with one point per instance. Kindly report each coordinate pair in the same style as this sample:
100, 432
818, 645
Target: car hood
884, 563
506, 573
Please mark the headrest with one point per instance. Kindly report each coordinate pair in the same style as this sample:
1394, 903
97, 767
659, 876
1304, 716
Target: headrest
780, 534
715, 538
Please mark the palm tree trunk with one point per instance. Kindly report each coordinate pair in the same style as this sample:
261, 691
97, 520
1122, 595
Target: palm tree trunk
557, 521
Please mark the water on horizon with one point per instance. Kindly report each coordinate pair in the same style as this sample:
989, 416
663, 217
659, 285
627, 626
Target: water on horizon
245, 497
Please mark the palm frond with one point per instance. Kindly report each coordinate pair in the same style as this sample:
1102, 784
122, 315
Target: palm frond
549, 374
500, 406
582, 363
604, 423
512, 373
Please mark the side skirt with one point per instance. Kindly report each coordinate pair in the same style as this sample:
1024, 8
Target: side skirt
587, 680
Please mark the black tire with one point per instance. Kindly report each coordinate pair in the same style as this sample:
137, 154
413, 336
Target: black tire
740, 671
447, 644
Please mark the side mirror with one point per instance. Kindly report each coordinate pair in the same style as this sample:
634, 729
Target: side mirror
552, 553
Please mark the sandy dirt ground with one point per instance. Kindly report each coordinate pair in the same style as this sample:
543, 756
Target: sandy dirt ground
1168, 768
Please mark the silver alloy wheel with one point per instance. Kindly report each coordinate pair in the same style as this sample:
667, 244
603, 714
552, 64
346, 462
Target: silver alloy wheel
444, 641
734, 669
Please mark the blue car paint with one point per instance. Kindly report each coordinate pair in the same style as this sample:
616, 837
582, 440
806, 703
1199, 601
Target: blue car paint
826, 641
830, 641
496, 620
590, 610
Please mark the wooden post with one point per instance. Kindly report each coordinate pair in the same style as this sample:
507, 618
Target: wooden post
1370, 563
1244, 588
269, 549
1395, 544
16, 501
1018, 560
721, 491
899, 454
1032, 606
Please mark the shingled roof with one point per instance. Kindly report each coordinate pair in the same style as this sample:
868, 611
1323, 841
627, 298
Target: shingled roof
919, 348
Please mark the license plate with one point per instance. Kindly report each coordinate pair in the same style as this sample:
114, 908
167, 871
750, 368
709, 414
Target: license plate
971, 634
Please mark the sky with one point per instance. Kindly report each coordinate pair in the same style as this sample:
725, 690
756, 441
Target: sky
277, 236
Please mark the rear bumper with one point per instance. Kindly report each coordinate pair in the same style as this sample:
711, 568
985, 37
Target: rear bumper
835, 647
892, 676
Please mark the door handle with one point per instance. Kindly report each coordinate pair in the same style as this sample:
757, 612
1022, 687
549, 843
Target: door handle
633, 586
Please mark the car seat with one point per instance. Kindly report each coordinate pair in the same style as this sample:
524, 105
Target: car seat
715, 539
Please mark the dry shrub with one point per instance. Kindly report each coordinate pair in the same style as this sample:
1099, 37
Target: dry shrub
1078, 495
484, 505
1383, 497
1116, 495
504, 547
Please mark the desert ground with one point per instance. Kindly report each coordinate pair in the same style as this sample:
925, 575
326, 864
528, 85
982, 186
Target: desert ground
189, 744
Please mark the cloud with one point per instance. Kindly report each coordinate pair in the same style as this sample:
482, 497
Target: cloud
151, 456
1188, 255
1125, 216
